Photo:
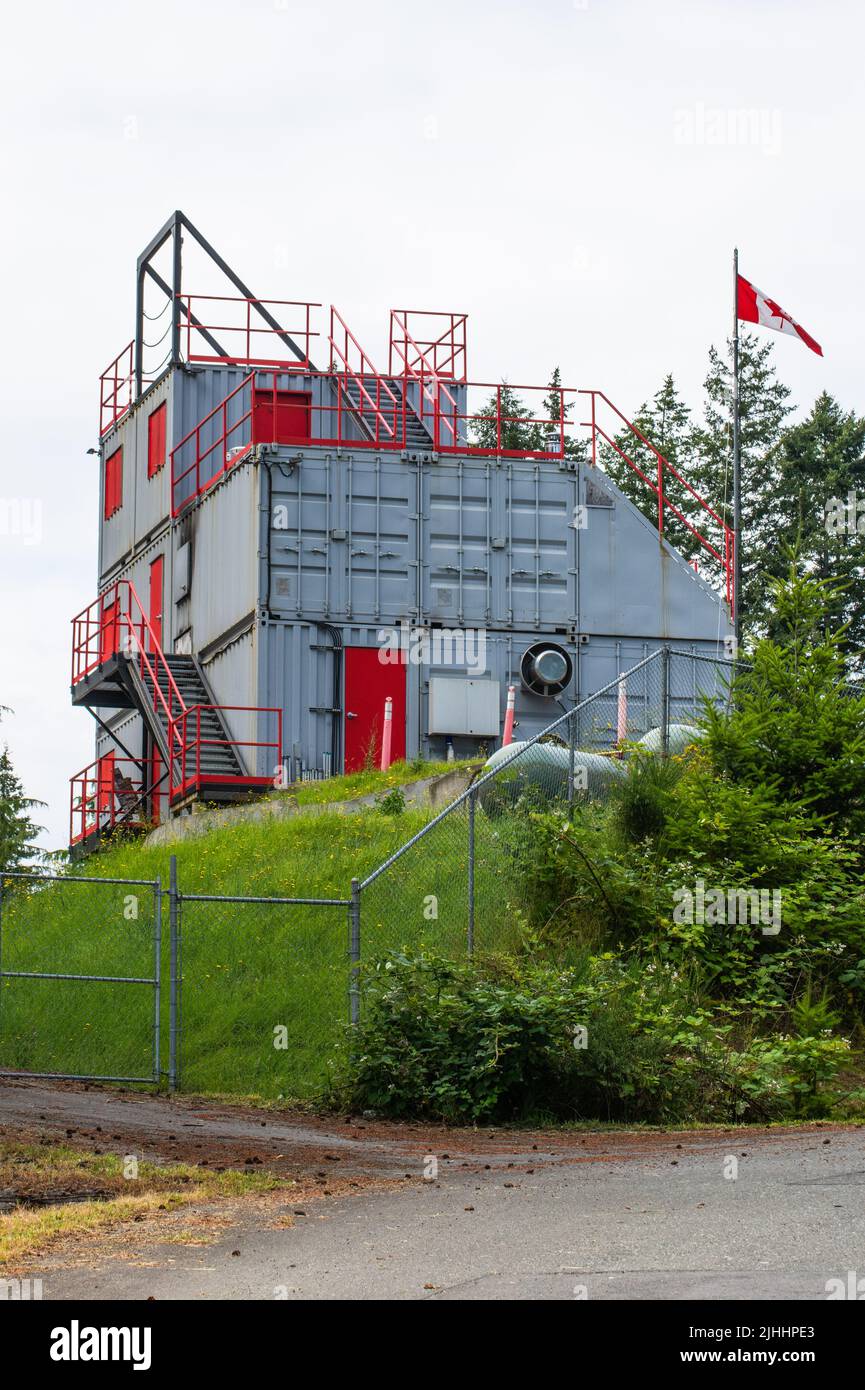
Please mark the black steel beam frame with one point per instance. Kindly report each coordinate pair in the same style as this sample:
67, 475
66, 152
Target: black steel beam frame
173, 230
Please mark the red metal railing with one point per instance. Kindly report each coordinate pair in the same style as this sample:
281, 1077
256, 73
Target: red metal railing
187, 743
438, 354
723, 551
115, 388
413, 366
247, 330
104, 797
461, 423
117, 623
196, 464
240, 337
386, 411
496, 421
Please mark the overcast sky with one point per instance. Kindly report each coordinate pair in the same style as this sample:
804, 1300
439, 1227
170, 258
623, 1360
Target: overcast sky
573, 173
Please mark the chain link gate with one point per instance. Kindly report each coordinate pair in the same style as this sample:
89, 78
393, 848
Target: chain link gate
63, 973
269, 983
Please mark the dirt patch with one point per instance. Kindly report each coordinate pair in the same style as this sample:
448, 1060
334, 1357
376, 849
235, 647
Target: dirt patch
294, 1144
60, 1196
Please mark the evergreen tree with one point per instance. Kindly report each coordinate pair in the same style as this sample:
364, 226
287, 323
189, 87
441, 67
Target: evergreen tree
665, 422
794, 729
555, 408
763, 409
822, 473
525, 429
17, 830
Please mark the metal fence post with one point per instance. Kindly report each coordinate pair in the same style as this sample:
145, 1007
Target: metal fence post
665, 701
354, 952
470, 941
157, 976
572, 740
174, 984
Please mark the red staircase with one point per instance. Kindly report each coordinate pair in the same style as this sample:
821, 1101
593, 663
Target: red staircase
118, 662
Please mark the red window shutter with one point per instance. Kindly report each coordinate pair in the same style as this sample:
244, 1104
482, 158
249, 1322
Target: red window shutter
113, 482
156, 439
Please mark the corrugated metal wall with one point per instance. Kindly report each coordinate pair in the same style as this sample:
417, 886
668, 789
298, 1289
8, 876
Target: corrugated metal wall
296, 664
220, 568
472, 542
360, 540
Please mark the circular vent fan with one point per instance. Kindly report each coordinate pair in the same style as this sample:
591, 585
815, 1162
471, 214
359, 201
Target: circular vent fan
545, 668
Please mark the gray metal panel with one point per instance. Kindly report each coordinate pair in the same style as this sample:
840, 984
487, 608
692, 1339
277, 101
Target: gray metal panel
480, 542
343, 536
222, 532
633, 583
463, 705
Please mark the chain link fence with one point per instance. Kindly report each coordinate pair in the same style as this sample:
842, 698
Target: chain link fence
92, 975
453, 888
80, 977
128, 980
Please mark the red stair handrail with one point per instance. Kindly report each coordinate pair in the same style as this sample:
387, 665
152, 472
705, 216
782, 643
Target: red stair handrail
729, 535
87, 626
186, 744
410, 371
367, 369
222, 441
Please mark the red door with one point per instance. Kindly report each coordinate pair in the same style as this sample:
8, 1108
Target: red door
368, 682
287, 423
154, 611
109, 630
105, 787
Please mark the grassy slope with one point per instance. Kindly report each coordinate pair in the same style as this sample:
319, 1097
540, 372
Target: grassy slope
248, 969
370, 782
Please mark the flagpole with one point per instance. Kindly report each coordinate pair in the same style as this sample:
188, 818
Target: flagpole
737, 480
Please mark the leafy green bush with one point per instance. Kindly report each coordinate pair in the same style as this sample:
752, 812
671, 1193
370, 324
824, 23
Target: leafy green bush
794, 727
600, 1040
642, 800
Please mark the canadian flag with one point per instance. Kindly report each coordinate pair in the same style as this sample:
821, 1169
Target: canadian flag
753, 306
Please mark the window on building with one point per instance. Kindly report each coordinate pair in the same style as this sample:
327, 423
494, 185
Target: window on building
156, 439
114, 482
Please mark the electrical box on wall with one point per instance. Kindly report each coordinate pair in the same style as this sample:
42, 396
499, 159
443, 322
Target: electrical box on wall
460, 705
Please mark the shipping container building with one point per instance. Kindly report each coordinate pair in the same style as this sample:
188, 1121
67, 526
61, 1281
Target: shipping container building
289, 536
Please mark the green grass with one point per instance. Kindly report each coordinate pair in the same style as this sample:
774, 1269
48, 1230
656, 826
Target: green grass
34, 1170
371, 782
248, 969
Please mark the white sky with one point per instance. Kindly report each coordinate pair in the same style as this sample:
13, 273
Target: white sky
563, 170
